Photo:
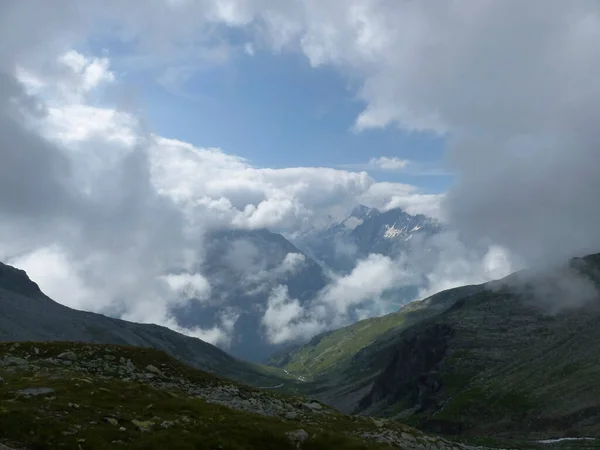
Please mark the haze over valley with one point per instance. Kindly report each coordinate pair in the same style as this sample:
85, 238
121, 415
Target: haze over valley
387, 208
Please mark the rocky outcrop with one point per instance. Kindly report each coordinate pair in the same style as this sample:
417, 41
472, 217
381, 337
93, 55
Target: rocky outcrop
110, 372
413, 375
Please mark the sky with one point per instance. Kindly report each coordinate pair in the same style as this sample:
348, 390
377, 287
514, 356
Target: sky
285, 112
128, 130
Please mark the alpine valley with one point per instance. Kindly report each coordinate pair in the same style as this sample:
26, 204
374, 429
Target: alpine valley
507, 364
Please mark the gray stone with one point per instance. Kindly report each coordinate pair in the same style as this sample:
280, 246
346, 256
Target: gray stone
291, 415
111, 420
13, 361
155, 370
297, 436
4, 447
71, 356
167, 424
34, 392
313, 406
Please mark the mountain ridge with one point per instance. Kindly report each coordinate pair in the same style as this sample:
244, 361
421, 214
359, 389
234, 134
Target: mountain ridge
490, 359
243, 267
26, 314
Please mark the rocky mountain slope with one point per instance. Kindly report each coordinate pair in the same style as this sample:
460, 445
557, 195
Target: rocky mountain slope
333, 351
26, 314
243, 266
84, 396
517, 357
365, 231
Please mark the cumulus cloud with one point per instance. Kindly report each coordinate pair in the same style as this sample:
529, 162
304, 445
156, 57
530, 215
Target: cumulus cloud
378, 283
112, 219
382, 163
345, 299
84, 186
248, 197
510, 85
385, 196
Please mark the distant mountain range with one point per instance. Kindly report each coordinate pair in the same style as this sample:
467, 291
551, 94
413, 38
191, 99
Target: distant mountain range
365, 231
243, 266
515, 358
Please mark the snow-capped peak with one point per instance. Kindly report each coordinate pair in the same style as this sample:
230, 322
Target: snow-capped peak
391, 231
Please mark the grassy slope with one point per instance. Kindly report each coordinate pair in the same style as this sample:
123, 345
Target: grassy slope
510, 368
26, 314
89, 396
330, 353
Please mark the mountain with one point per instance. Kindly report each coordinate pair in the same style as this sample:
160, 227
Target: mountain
243, 267
365, 231
516, 357
391, 233
26, 314
334, 246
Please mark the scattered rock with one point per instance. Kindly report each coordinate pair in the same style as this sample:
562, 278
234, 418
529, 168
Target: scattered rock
70, 356
73, 405
378, 423
85, 380
4, 447
291, 415
122, 429
313, 406
1, 380
143, 425
167, 424
111, 420
408, 437
13, 361
297, 437
155, 370
34, 392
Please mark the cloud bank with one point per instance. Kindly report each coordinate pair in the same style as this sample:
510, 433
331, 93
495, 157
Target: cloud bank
110, 218
512, 86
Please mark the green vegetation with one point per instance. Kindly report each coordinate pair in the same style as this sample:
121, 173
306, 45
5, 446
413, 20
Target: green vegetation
84, 396
329, 351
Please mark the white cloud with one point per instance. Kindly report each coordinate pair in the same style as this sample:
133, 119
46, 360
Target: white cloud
447, 262
220, 334
381, 163
385, 163
344, 300
50, 268
281, 317
517, 107
133, 207
385, 196
442, 261
368, 280
187, 285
